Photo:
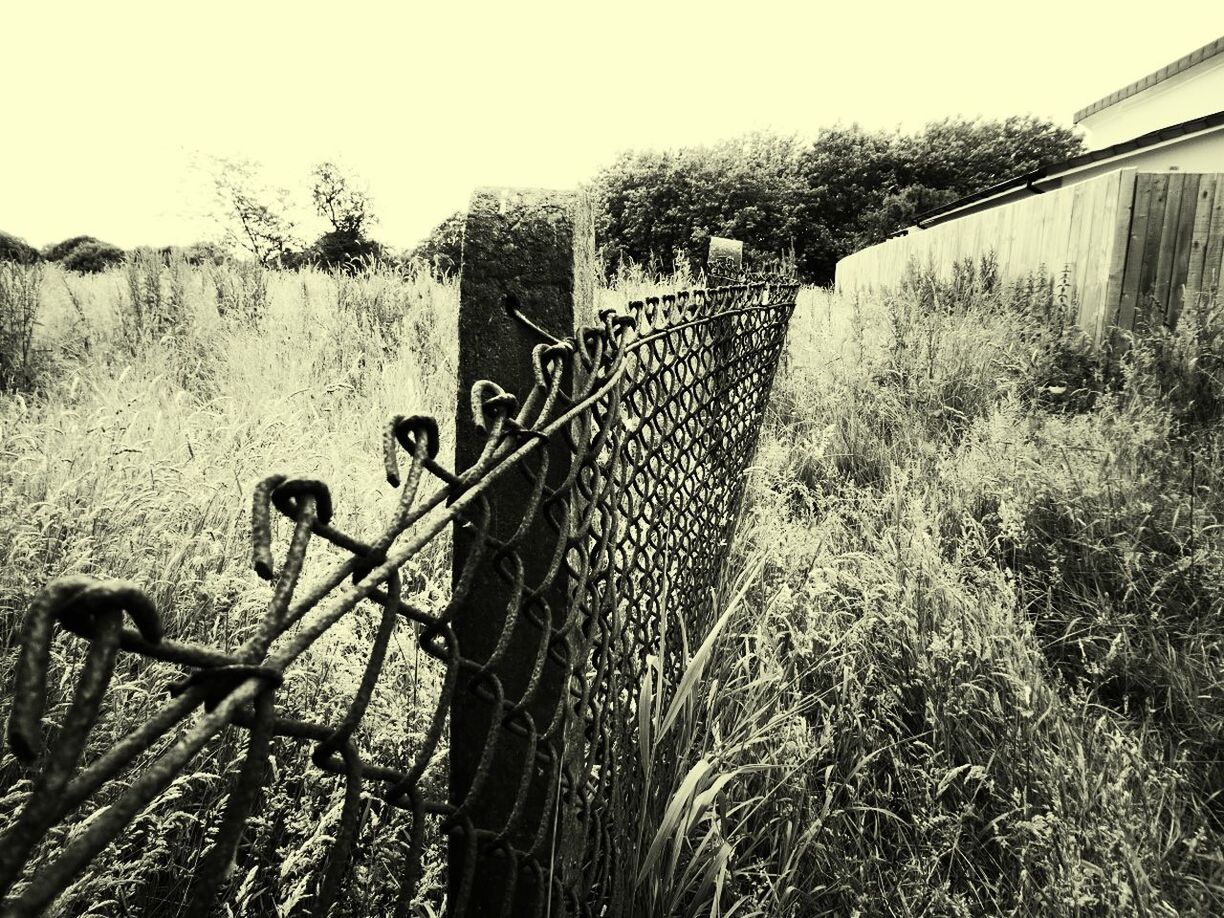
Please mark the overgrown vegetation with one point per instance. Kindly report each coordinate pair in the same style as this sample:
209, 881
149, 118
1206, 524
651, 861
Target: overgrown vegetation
970, 654
820, 198
13, 249
20, 289
985, 621
84, 254
135, 460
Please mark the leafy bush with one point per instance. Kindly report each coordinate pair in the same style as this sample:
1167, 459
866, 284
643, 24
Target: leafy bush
84, 254
92, 257
17, 250
344, 250
442, 249
57, 251
201, 254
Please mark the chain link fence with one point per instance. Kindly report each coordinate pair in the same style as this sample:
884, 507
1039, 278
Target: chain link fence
589, 534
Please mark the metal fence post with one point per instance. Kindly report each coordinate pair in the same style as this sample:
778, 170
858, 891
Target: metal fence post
533, 249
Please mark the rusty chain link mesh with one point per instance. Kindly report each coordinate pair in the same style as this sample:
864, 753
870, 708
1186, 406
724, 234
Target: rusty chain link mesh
658, 412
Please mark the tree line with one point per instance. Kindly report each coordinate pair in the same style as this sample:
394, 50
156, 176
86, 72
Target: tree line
252, 217
816, 200
808, 201
811, 201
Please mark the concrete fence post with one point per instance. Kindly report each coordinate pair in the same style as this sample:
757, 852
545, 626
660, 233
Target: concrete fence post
534, 250
726, 257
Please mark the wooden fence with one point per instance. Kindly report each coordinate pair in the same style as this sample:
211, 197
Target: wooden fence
1131, 244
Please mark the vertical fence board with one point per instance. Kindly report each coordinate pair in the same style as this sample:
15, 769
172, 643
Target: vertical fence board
1151, 251
1115, 264
1039, 260
1199, 238
1082, 213
1104, 209
1130, 295
1181, 248
1167, 243
1215, 238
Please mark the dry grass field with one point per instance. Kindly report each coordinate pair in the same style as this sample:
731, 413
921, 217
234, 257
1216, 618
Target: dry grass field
971, 657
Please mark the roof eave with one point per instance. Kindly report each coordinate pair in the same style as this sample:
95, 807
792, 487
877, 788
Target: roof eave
1181, 65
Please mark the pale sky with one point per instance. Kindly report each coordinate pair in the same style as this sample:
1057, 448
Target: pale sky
106, 105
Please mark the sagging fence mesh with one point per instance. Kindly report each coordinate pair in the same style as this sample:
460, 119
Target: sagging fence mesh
589, 535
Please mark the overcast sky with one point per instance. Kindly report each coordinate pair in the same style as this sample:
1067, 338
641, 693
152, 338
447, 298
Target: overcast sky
106, 105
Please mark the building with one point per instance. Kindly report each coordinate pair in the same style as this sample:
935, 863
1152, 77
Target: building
1149, 206
1185, 90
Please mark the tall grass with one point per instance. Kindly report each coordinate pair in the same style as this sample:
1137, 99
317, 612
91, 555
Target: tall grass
987, 621
20, 291
969, 654
136, 460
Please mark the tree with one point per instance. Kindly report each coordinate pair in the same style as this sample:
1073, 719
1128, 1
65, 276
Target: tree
821, 199
92, 257
338, 201
18, 250
255, 215
899, 209
348, 209
442, 249
967, 156
657, 205
57, 251
952, 158
845, 171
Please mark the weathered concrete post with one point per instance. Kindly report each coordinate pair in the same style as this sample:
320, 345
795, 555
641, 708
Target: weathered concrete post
725, 258
534, 249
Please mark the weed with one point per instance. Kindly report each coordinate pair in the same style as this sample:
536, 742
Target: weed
241, 290
156, 304
20, 360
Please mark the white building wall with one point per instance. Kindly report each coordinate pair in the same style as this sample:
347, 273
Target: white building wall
1202, 152
1190, 94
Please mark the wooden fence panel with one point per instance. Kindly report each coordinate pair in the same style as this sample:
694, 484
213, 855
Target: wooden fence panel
1177, 253
1133, 245
1079, 225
